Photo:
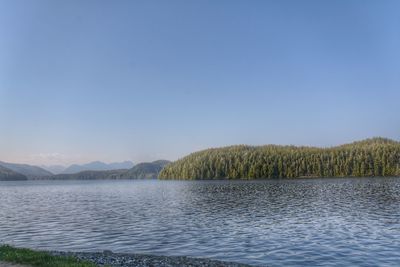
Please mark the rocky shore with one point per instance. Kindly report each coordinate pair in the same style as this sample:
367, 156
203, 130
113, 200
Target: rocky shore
108, 258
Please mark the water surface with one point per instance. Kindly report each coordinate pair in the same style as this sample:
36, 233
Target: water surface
309, 222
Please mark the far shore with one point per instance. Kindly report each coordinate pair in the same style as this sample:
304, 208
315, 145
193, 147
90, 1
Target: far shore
209, 179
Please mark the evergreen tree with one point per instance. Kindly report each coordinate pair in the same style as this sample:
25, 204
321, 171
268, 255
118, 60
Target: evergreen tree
371, 157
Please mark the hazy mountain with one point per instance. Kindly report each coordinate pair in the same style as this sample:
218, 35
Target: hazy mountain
97, 166
146, 170
56, 169
90, 175
120, 165
10, 175
31, 172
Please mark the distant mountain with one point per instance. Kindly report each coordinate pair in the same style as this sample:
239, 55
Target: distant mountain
56, 169
90, 175
10, 175
31, 172
146, 170
97, 166
120, 165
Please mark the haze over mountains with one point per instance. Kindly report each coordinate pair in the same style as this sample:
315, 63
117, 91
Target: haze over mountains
93, 170
30, 171
91, 166
97, 166
55, 169
9, 175
145, 170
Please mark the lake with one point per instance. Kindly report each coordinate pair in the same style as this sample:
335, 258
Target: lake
309, 222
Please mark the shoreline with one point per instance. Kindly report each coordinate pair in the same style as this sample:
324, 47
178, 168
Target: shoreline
109, 258
24, 257
210, 180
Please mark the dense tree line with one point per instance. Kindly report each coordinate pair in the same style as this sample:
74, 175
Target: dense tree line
371, 157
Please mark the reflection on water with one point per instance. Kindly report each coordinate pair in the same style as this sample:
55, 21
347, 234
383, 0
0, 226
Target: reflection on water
277, 222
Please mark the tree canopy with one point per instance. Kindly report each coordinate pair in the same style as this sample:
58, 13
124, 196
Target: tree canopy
370, 157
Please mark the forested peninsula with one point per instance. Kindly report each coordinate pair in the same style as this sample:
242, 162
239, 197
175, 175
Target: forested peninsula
370, 157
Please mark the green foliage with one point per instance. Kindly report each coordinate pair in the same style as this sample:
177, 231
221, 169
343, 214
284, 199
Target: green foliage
38, 258
371, 157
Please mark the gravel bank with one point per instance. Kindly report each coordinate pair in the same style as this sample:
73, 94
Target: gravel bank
139, 260
9, 264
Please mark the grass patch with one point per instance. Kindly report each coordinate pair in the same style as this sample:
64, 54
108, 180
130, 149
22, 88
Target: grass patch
38, 258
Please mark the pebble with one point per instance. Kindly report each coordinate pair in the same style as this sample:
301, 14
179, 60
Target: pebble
108, 258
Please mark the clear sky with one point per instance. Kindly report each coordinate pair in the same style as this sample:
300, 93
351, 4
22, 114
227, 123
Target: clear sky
143, 80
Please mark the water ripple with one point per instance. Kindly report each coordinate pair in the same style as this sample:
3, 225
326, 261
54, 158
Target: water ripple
315, 222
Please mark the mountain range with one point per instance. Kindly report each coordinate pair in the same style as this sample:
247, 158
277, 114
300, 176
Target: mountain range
30, 171
146, 170
366, 158
94, 170
55, 169
10, 175
97, 166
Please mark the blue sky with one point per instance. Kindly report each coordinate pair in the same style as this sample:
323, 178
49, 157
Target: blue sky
143, 80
